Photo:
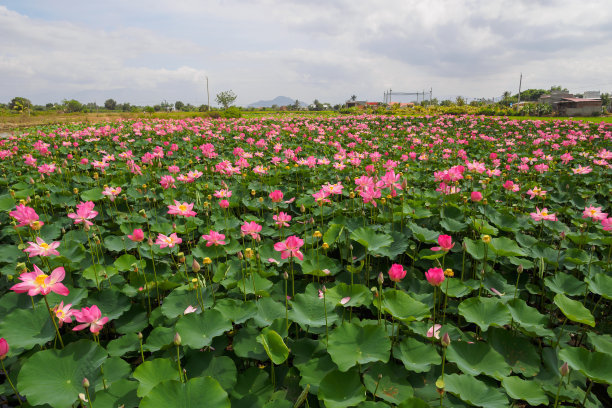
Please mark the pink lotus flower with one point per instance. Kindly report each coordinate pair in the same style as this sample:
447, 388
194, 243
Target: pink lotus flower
446, 243
41, 248
282, 219
434, 331
594, 213
290, 247
223, 193
63, 313
435, 276
90, 317
333, 188
606, 223
137, 235
476, 196
536, 192
26, 216
84, 213
183, 209
4, 348
224, 204
543, 215
214, 238
38, 282
167, 182
190, 309
168, 241
276, 196
251, 228
111, 192
397, 272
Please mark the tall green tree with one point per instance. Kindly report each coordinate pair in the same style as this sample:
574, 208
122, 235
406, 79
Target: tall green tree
20, 104
110, 104
226, 98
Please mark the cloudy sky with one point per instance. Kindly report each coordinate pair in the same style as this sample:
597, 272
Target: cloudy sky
145, 52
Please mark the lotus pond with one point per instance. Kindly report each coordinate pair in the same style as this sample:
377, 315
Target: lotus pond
362, 261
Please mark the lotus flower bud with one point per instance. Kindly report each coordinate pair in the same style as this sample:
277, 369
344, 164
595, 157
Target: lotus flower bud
239, 255
139, 335
4, 348
519, 269
85, 382
285, 275
381, 278
446, 340
195, 266
564, 370
177, 339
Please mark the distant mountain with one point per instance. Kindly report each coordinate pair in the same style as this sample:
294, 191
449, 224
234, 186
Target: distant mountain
278, 101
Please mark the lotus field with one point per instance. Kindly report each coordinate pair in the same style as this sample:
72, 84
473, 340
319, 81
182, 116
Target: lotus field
364, 261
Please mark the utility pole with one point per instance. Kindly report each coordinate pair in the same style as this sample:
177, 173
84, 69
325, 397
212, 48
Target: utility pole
207, 94
430, 92
520, 83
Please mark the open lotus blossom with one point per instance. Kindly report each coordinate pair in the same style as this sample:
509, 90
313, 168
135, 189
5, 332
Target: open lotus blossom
543, 215
168, 241
112, 192
224, 204
41, 248
251, 228
282, 219
536, 192
37, 282
214, 238
594, 213
184, 209
137, 235
435, 276
397, 272
290, 247
446, 243
606, 223
26, 216
345, 300
276, 196
223, 193
89, 317
84, 213
63, 313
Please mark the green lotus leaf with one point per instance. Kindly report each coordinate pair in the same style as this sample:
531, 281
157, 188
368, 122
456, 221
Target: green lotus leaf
475, 248
198, 330
388, 381
204, 363
26, 328
505, 246
332, 234
123, 345
370, 239
246, 345
475, 392
529, 391
416, 355
55, 377
150, 373
94, 194
602, 342
485, 312
193, 393
528, 318
275, 347
310, 310
517, 350
423, 234
574, 310
601, 284
119, 393
403, 307
566, 284
350, 344
236, 310
342, 389
357, 295
592, 364
477, 358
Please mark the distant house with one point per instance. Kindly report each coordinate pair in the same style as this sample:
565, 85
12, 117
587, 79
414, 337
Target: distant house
554, 97
578, 106
355, 104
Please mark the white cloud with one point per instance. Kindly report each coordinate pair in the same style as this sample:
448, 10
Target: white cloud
318, 49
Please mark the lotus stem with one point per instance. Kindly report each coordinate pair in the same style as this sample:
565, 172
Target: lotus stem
53, 320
